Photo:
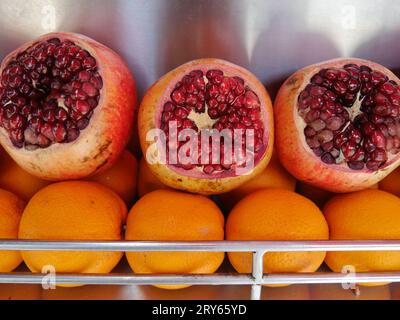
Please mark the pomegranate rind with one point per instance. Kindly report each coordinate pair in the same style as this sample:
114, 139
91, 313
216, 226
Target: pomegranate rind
148, 117
110, 127
293, 151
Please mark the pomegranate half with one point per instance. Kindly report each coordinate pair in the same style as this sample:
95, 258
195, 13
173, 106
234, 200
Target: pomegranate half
66, 106
203, 96
338, 124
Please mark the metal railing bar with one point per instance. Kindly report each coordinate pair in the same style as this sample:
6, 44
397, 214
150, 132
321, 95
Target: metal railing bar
331, 277
203, 279
128, 279
258, 271
210, 246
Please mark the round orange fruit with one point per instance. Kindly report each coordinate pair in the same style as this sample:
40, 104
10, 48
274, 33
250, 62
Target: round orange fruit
11, 208
147, 181
74, 210
364, 215
276, 214
317, 195
16, 180
274, 176
166, 215
121, 177
391, 183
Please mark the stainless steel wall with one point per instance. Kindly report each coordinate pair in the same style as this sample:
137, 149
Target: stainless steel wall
272, 38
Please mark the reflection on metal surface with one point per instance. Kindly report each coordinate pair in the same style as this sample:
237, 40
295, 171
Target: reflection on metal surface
201, 246
271, 38
255, 280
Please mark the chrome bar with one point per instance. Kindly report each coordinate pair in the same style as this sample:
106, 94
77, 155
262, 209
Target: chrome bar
202, 279
258, 272
331, 277
210, 246
128, 279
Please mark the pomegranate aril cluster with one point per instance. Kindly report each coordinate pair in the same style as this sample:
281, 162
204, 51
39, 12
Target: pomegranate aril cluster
48, 94
352, 115
227, 101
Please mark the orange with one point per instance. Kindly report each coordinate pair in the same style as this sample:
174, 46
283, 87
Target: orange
166, 215
391, 183
336, 292
121, 177
147, 181
75, 210
317, 195
274, 176
11, 208
364, 215
16, 180
276, 214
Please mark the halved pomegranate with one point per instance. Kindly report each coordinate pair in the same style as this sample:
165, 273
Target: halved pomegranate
207, 96
66, 106
338, 124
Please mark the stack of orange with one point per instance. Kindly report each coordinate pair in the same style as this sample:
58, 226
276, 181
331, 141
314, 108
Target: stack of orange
265, 208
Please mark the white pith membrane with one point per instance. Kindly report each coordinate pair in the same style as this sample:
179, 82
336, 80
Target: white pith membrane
209, 99
352, 117
48, 93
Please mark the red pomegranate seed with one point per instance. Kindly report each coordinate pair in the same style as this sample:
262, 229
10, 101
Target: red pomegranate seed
213, 113
82, 54
82, 107
89, 63
251, 100
340, 87
317, 125
359, 155
388, 88
59, 132
29, 63
82, 123
46, 130
75, 65
334, 123
84, 76
72, 134
379, 155
349, 149
208, 169
17, 121
79, 95
356, 165
61, 114
378, 78
43, 141
325, 136
331, 74
373, 165
89, 89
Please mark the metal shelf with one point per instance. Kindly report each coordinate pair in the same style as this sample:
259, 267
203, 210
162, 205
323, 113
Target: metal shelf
255, 280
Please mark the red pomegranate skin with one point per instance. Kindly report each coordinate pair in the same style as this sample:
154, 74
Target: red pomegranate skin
149, 116
101, 143
296, 155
